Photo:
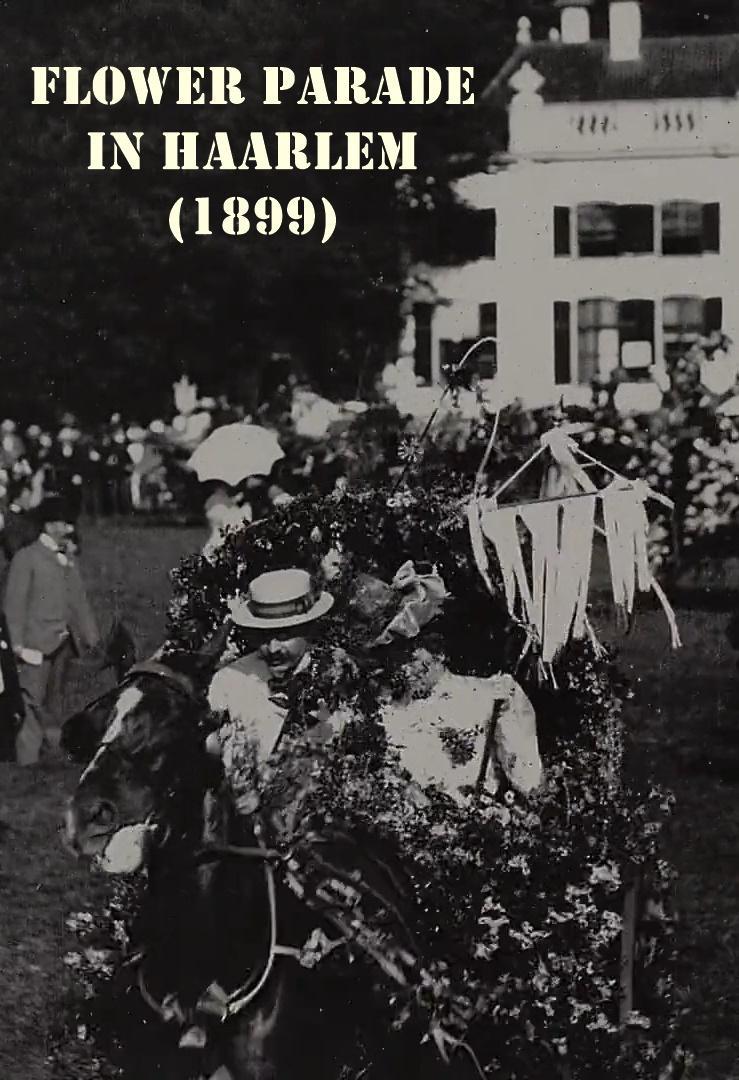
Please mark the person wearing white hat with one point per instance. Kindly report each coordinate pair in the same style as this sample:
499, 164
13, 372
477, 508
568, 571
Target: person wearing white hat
282, 608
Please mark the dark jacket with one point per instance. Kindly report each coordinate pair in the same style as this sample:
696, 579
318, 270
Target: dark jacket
45, 601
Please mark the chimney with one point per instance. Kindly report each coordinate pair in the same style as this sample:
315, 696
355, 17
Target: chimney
624, 30
575, 24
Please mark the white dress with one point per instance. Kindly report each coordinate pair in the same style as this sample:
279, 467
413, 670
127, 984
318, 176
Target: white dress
462, 736
465, 734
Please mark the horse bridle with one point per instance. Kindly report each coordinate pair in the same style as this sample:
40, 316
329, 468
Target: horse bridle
230, 1005
248, 991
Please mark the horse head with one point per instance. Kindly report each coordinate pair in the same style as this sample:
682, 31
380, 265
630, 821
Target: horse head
144, 746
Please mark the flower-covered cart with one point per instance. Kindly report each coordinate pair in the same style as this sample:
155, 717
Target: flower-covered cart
545, 910
542, 905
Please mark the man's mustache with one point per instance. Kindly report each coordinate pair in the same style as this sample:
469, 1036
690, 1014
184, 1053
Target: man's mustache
275, 655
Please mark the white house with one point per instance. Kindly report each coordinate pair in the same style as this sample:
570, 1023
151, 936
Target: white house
611, 229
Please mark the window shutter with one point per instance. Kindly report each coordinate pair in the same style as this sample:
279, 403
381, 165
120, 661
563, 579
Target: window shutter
636, 323
562, 374
562, 231
636, 319
488, 320
635, 229
712, 227
423, 315
492, 233
682, 227
714, 315
597, 229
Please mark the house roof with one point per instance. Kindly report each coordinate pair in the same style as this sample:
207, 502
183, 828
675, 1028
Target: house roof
679, 67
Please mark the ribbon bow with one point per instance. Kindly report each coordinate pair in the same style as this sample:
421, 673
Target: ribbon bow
424, 596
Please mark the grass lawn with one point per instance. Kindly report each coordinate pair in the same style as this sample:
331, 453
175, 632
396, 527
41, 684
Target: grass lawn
683, 709
126, 571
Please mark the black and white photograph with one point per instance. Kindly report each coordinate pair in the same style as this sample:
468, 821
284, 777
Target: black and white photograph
369, 540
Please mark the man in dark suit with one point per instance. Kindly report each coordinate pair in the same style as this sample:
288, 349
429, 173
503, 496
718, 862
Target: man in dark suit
48, 614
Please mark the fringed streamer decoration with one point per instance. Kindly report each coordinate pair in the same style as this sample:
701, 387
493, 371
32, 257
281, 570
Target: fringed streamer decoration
626, 527
554, 602
499, 525
563, 448
553, 598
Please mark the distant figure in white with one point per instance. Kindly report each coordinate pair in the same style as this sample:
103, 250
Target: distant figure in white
224, 509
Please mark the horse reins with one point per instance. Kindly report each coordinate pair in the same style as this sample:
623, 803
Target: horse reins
248, 991
245, 994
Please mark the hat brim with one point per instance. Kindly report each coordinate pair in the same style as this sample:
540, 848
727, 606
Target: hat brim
242, 616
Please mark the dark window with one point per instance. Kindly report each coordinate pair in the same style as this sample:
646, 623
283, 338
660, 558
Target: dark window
423, 315
683, 318
686, 319
606, 229
597, 229
597, 339
562, 339
486, 357
690, 228
611, 335
562, 245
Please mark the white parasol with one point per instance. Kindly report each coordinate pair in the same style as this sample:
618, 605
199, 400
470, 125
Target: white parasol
236, 451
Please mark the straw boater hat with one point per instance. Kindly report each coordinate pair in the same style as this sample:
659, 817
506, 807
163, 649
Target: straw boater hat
279, 599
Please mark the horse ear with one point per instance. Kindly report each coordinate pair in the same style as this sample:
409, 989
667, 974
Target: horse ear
208, 656
82, 732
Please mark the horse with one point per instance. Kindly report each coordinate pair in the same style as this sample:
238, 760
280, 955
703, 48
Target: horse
222, 932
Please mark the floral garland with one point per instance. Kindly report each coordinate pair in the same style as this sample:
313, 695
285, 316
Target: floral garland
529, 891
533, 964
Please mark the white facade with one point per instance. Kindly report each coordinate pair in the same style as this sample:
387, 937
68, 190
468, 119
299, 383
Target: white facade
568, 162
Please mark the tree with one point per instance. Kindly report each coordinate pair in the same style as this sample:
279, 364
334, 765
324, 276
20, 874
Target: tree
101, 308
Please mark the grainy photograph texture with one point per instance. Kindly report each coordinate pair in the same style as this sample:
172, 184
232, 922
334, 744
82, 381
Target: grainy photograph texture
369, 514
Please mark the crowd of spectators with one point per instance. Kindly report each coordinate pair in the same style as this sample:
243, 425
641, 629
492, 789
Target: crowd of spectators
123, 466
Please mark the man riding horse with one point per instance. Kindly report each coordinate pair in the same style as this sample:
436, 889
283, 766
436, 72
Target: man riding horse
143, 794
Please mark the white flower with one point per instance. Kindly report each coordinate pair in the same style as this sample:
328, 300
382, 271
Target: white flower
331, 564
608, 875
602, 1023
637, 1019
520, 862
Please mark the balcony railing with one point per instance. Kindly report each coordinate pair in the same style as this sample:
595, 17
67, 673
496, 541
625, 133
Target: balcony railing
621, 128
